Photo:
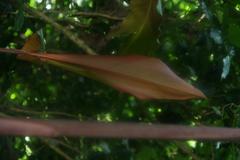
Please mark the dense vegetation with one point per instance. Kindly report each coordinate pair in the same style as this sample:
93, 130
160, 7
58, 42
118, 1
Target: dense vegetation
198, 39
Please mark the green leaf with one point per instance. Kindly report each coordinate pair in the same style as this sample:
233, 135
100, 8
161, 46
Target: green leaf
234, 34
147, 153
19, 20
142, 27
32, 3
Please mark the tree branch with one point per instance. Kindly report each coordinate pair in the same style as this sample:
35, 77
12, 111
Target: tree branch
57, 128
79, 42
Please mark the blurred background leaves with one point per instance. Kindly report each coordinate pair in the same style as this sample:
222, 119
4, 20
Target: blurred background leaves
198, 39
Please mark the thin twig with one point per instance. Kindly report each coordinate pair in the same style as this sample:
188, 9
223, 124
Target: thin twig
86, 14
72, 22
93, 14
14, 109
65, 145
11, 51
65, 31
57, 150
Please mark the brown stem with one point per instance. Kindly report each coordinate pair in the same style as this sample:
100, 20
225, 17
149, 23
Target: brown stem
14, 109
58, 128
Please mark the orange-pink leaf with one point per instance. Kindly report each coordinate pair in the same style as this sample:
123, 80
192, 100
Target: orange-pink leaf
143, 77
32, 44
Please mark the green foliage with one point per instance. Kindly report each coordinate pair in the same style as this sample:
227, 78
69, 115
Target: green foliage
198, 39
140, 28
234, 34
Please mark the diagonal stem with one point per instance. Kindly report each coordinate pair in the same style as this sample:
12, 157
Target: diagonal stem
73, 37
